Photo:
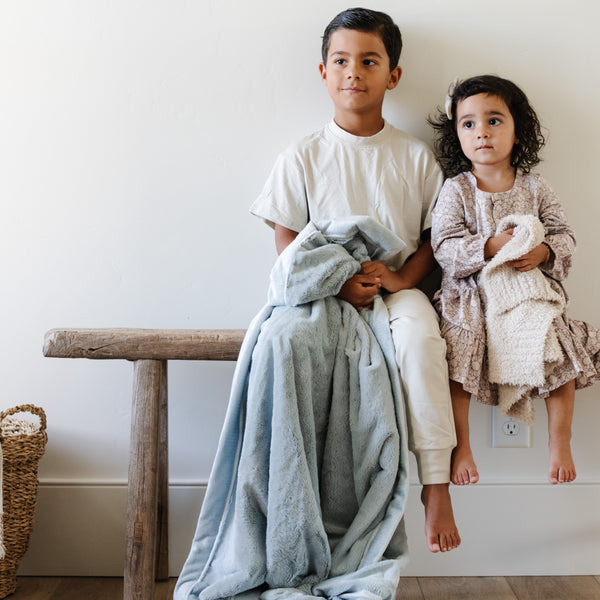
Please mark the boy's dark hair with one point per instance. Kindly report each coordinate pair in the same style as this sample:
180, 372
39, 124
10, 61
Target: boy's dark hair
364, 19
525, 154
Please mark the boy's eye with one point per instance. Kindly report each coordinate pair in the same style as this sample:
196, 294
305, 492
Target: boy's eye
340, 61
368, 62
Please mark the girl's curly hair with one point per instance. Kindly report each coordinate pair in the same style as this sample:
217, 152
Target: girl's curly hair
525, 154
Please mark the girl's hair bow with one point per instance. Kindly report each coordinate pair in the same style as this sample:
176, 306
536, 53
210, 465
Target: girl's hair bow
449, 95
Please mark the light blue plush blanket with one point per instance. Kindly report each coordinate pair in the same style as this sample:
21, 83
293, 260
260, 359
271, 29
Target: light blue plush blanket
307, 493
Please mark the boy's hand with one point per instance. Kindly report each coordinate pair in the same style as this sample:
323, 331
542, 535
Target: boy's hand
360, 290
530, 260
392, 281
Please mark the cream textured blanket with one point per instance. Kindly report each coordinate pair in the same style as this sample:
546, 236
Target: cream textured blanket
520, 308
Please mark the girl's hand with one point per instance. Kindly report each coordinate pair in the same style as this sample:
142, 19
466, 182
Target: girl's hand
530, 260
494, 244
360, 290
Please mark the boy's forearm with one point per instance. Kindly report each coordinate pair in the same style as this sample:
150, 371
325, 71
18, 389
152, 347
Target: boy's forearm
417, 267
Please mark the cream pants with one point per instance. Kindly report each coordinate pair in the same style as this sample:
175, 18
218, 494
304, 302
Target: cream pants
421, 359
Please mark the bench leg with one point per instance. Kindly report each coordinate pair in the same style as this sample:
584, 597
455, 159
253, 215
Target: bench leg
162, 549
142, 498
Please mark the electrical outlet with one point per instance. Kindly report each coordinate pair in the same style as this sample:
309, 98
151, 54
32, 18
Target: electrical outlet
508, 432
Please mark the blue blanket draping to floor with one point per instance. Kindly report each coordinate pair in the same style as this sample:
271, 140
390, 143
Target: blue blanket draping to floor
307, 493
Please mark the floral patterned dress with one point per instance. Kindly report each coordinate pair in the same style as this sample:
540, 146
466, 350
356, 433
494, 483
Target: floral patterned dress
464, 219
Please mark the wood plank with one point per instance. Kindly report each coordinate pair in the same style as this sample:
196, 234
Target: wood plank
144, 344
35, 588
163, 590
408, 589
142, 496
583, 587
82, 588
466, 588
90, 588
101, 588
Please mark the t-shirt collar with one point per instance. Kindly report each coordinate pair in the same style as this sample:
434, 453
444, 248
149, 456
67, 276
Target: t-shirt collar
357, 140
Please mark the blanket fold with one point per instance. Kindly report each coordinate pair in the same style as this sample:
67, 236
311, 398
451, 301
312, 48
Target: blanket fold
521, 306
307, 493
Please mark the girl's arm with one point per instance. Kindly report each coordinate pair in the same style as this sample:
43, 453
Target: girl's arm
460, 252
559, 234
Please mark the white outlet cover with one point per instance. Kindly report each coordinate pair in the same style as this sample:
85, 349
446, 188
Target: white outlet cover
508, 432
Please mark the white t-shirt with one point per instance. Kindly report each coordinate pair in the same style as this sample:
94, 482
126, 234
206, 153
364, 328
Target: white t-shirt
390, 176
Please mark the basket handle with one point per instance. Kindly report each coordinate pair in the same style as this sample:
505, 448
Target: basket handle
36, 410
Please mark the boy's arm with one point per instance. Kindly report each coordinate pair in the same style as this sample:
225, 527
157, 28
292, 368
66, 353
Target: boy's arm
283, 237
418, 266
359, 290
414, 270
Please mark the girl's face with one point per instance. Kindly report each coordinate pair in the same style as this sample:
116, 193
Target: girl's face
486, 131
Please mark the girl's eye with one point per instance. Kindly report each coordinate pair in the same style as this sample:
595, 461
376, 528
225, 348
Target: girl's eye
468, 124
494, 121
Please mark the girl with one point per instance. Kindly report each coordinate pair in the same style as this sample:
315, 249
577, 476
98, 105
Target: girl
502, 239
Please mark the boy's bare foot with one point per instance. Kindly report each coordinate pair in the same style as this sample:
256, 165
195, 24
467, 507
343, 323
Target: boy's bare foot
464, 470
562, 466
441, 532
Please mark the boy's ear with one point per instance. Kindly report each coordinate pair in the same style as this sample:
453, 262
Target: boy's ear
323, 71
395, 75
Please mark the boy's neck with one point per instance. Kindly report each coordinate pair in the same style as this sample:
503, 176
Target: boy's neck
359, 125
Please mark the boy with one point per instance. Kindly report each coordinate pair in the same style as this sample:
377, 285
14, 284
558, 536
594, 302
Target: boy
361, 165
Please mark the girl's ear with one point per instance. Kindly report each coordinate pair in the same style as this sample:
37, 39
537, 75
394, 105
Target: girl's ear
395, 75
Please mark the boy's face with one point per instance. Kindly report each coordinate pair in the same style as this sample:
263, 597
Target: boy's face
357, 73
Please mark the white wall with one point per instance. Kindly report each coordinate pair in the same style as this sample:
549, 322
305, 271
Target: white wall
134, 136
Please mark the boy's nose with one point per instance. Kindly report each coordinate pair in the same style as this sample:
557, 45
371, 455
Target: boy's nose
354, 71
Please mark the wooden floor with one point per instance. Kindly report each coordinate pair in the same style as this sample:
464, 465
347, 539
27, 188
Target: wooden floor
411, 588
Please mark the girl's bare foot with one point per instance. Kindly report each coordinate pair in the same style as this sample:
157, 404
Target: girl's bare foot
464, 470
560, 404
441, 532
562, 467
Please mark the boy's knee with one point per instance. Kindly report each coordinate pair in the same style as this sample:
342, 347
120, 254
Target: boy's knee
417, 344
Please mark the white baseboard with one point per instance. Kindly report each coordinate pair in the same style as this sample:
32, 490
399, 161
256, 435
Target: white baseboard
506, 529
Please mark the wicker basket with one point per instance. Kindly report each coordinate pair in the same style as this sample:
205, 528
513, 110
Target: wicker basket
23, 443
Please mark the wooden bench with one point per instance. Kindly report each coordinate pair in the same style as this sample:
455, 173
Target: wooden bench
146, 554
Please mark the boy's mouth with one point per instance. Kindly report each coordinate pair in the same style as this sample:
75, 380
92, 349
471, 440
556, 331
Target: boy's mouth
353, 89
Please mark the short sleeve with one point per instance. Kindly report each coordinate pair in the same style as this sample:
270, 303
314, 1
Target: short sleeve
283, 198
433, 184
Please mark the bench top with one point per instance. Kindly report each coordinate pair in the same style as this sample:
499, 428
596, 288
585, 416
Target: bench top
144, 344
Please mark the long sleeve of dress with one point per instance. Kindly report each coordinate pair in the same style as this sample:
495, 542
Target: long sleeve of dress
559, 235
457, 244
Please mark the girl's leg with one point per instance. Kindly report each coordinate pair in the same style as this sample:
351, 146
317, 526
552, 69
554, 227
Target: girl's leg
560, 404
464, 469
